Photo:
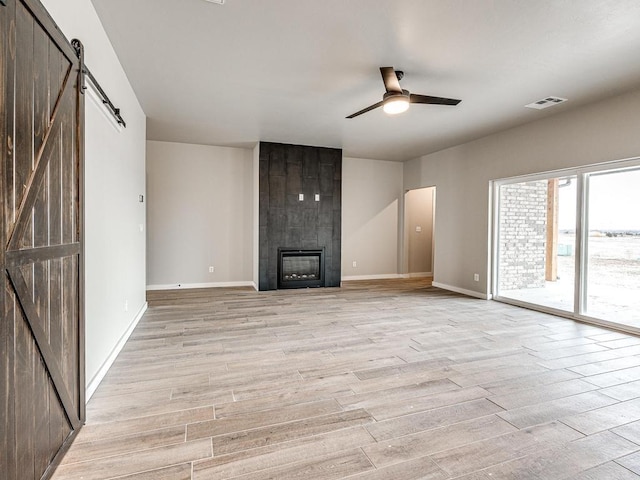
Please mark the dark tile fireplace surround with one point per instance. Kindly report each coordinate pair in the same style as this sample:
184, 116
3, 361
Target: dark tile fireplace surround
300, 214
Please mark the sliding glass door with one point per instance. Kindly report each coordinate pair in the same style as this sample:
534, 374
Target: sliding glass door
537, 238
613, 247
569, 242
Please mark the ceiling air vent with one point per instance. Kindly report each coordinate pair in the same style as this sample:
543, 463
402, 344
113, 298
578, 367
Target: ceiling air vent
219, 2
546, 102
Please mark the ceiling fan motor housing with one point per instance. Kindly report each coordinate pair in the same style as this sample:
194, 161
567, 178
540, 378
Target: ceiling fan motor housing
403, 94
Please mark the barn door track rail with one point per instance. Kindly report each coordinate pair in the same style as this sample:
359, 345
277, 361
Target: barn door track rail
86, 73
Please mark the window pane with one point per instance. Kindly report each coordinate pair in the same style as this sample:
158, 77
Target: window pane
536, 251
613, 247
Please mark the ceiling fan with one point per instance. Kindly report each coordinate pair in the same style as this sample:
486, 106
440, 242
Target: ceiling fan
396, 100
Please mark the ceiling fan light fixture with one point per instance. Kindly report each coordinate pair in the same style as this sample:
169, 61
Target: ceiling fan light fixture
395, 104
396, 99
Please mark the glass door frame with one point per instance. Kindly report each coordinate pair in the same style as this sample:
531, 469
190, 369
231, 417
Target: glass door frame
582, 175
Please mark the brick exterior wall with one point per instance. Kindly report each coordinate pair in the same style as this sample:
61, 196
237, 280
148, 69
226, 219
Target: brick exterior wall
523, 226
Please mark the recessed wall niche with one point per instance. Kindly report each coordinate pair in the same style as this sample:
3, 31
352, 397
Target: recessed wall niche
300, 207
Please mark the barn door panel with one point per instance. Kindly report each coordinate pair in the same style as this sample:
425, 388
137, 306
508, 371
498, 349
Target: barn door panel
41, 344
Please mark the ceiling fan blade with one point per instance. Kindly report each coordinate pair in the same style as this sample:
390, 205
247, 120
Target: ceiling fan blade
413, 98
390, 79
365, 110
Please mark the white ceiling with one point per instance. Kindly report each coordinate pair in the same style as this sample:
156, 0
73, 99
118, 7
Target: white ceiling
290, 71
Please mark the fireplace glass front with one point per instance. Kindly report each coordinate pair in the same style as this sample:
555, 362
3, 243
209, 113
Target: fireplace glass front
300, 268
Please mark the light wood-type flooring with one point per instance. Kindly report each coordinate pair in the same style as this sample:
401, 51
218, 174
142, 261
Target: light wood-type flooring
381, 380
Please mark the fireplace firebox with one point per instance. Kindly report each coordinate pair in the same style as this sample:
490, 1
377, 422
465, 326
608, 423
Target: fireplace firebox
300, 268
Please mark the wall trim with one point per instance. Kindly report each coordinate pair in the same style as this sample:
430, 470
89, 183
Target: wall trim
387, 276
92, 386
382, 276
464, 291
180, 286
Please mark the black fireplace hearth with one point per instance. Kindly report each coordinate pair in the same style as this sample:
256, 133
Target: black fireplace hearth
299, 268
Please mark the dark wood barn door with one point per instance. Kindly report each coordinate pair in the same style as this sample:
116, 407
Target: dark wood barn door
41, 334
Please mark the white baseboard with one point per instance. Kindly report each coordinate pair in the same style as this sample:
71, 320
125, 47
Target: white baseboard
464, 291
179, 286
387, 276
382, 276
92, 386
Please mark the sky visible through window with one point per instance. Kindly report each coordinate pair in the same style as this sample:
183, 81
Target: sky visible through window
614, 203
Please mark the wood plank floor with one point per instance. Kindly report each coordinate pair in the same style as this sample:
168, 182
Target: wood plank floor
376, 380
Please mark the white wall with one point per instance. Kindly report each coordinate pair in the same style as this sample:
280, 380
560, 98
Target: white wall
114, 177
372, 204
600, 132
200, 213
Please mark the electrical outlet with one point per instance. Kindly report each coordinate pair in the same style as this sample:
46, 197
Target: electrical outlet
212, 269
354, 264
126, 305
476, 277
